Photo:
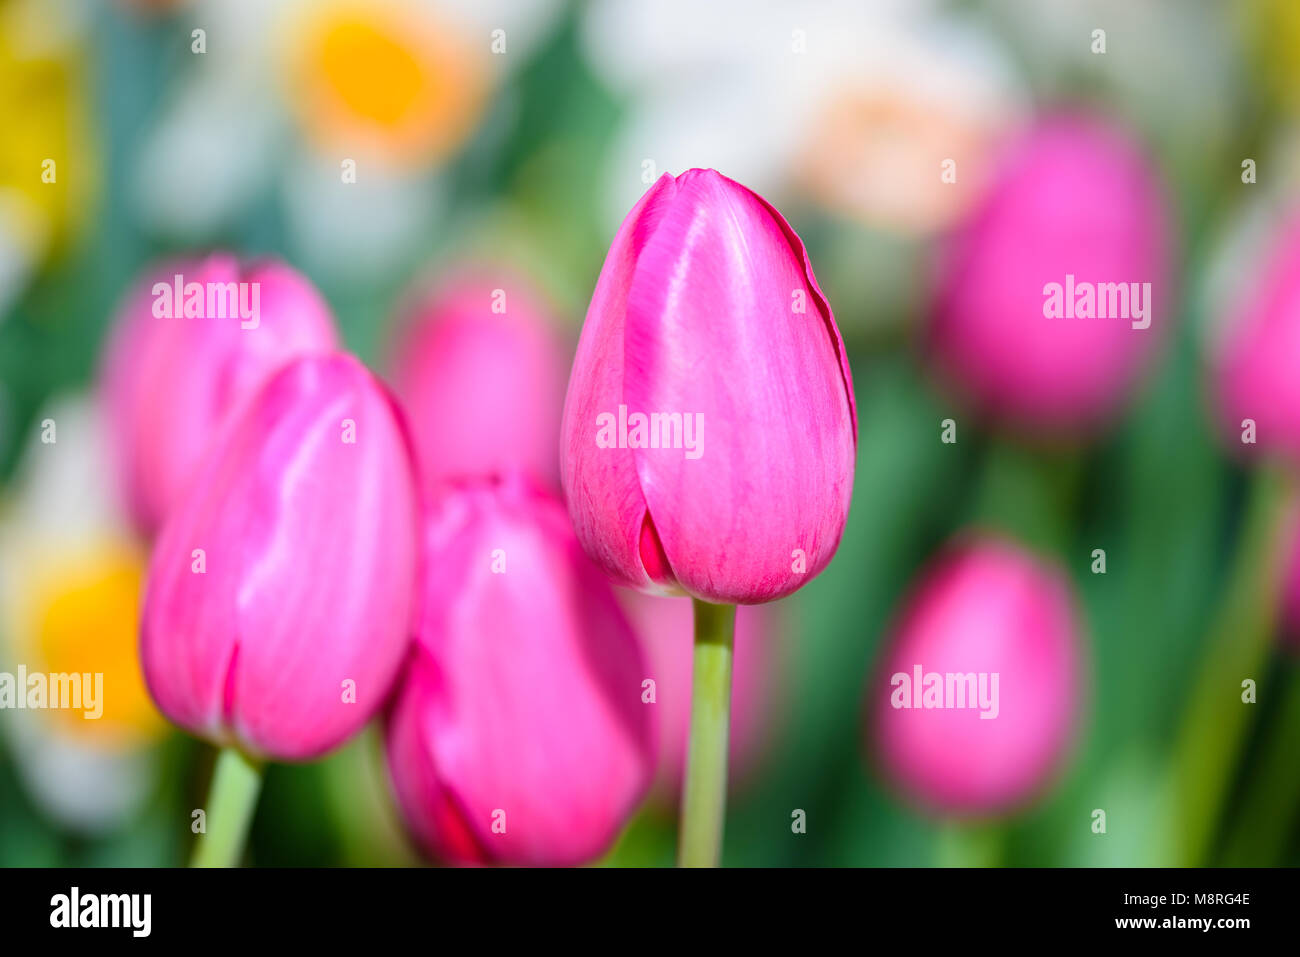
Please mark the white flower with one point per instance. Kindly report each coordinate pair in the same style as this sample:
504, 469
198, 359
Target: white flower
855, 105
70, 579
288, 91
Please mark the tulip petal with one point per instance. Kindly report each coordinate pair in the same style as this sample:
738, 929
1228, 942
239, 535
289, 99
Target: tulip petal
984, 608
1074, 201
725, 322
291, 636
429, 810
601, 484
169, 380
483, 388
534, 720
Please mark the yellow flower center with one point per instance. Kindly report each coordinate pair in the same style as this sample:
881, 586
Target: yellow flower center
370, 72
384, 78
82, 616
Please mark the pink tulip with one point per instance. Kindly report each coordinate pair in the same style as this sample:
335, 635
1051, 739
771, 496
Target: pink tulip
1257, 372
1075, 205
992, 612
280, 591
480, 370
666, 629
519, 735
168, 380
709, 430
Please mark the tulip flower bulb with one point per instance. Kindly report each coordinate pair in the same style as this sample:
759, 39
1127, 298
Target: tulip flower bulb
979, 690
193, 340
709, 429
280, 591
519, 734
480, 370
1053, 292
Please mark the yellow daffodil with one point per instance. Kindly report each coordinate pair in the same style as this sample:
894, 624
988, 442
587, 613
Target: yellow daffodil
48, 169
388, 79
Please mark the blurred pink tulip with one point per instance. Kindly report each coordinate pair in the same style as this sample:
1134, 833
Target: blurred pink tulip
999, 629
480, 369
709, 430
279, 600
666, 626
518, 735
1076, 205
168, 380
1257, 372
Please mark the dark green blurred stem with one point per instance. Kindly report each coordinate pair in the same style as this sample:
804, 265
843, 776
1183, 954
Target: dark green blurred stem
1216, 721
366, 822
1030, 493
1268, 812
236, 781
704, 794
969, 844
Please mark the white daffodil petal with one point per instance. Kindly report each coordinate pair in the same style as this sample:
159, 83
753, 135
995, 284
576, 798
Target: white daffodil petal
59, 490
357, 229
724, 124
523, 24
208, 159
81, 787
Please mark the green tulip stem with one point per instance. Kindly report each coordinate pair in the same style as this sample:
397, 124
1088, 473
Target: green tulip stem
1217, 720
1272, 799
1030, 493
969, 844
704, 795
236, 781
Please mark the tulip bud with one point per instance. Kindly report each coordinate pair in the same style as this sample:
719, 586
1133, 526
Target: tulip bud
480, 371
1256, 376
1053, 292
519, 734
185, 352
709, 429
280, 590
978, 694
666, 628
